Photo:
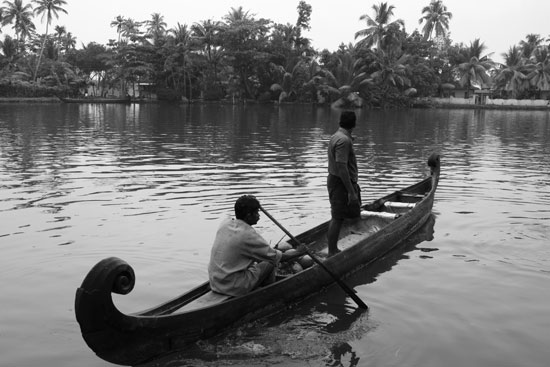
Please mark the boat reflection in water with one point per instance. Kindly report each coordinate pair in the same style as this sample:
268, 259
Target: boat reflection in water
320, 328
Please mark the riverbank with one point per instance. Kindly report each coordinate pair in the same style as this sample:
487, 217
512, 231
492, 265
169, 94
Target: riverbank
450, 103
29, 100
486, 103
50, 100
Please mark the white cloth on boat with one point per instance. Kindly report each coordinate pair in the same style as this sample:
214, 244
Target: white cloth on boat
235, 259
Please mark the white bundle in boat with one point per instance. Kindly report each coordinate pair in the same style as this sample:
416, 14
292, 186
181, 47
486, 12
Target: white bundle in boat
386, 215
399, 205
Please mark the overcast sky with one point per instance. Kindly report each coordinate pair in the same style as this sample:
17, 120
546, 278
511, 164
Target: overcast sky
499, 24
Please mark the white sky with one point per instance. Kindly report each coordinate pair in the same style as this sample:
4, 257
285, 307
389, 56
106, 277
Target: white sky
499, 24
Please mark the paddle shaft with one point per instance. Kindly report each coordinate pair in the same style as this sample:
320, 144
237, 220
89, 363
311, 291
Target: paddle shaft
342, 285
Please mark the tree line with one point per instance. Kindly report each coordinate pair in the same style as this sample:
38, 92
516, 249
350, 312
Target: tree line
242, 57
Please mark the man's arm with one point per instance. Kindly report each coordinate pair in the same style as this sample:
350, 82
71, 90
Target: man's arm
257, 248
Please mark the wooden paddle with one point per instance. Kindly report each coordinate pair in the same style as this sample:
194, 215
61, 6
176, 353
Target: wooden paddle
342, 285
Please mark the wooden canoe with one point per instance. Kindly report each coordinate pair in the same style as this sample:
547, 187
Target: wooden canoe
96, 100
130, 339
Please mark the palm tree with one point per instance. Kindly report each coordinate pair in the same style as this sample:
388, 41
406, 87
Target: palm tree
178, 58
119, 24
476, 69
69, 42
21, 17
206, 34
347, 78
437, 19
313, 80
60, 31
9, 51
511, 77
530, 44
156, 27
65, 40
377, 27
288, 80
48, 9
477, 49
391, 71
237, 15
130, 29
27, 31
539, 71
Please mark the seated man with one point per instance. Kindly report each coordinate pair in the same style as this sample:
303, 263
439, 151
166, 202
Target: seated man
241, 260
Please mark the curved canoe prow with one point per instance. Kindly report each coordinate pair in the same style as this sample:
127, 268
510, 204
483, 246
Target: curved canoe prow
94, 305
434, 161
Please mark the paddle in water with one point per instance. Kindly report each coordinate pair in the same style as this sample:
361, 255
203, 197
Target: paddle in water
342, 285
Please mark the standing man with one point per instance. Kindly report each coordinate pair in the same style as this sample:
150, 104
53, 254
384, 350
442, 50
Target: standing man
343, 190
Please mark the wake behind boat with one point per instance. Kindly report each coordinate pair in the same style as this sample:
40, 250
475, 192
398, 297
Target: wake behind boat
130, 339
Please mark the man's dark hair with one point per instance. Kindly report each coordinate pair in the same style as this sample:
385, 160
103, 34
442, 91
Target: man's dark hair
347, 119
245, 205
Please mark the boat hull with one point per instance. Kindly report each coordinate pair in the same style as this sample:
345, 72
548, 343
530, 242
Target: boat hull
137, 338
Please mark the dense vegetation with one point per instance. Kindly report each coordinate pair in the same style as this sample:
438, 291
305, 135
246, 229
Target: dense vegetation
241, 57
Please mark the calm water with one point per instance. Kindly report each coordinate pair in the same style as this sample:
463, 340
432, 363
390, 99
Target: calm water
150, 184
